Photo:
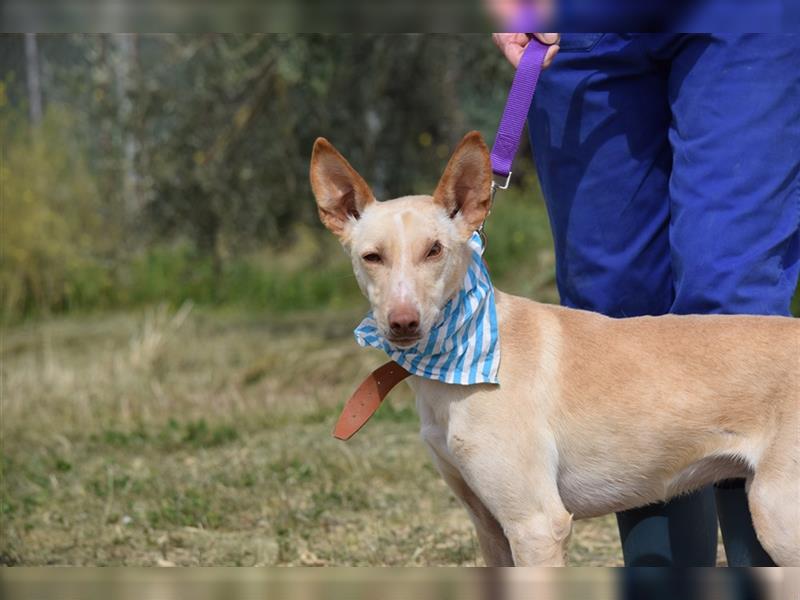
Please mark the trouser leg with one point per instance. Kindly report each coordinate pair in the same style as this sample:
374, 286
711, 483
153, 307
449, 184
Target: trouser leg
735, 199
599, 129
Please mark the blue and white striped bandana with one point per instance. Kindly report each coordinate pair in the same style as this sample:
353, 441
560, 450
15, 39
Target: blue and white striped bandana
462, 347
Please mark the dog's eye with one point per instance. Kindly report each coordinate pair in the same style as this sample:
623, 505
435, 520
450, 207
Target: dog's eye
372, 257
435, 250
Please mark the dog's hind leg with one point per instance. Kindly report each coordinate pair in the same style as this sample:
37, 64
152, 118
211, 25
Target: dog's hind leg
494, 545
774, 498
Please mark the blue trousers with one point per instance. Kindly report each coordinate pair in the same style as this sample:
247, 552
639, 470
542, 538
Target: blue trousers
670, 165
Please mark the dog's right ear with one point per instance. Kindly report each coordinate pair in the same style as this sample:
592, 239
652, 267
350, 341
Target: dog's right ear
341, 193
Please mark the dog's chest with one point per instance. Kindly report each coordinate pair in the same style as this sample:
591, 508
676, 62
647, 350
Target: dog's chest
439, 406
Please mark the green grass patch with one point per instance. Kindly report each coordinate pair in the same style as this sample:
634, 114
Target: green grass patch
311, 274
186, 508
172, 435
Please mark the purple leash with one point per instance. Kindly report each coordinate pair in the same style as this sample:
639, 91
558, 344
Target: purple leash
512, 123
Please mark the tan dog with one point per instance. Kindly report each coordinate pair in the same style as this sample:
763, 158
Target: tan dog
593, 415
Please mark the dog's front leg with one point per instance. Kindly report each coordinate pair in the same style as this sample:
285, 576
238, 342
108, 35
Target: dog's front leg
539, 539
514, 482
493, 542
537, 533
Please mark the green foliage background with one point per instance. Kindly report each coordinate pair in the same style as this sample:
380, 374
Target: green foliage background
179, 170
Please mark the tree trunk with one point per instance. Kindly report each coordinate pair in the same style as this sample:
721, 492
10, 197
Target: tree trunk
34, 81
123, 67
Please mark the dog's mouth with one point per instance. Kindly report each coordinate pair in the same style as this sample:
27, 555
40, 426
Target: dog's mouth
403, 342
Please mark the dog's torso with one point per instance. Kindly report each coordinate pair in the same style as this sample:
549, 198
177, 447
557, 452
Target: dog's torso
619, 412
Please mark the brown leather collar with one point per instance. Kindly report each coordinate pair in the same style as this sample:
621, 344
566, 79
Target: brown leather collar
367, 398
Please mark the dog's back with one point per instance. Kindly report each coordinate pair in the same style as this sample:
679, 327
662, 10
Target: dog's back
714, 393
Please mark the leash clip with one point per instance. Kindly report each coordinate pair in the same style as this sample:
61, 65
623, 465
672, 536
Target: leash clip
495, 186
504, 186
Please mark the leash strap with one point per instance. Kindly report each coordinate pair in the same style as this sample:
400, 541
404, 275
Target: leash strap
512, 123
367, 398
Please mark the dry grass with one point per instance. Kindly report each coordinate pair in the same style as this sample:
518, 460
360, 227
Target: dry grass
196, 438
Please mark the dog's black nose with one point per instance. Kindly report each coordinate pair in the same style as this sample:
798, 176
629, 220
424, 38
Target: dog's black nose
404, 322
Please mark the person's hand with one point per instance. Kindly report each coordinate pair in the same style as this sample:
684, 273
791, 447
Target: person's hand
513, 15
513, 45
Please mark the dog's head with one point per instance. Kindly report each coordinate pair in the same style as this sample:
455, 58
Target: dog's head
410, 254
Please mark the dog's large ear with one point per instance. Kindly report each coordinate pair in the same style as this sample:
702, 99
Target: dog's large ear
465, 189
341, 193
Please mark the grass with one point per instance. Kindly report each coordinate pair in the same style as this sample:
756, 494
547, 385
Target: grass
203, 438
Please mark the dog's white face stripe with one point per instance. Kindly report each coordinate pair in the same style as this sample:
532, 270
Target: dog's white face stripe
402, 276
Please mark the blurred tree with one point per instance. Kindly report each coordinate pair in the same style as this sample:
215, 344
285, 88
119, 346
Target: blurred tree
127, 50
230, 121
207, 138
211, 134
49, 226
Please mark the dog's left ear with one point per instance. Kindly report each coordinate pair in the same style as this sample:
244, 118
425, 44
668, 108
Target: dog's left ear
341, 193
465, 189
